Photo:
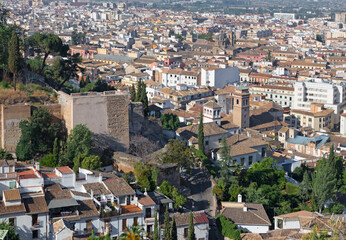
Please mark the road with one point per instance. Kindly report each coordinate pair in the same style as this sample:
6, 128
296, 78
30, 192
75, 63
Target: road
201, 197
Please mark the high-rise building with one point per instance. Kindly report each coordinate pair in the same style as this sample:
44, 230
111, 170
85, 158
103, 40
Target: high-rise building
241, 107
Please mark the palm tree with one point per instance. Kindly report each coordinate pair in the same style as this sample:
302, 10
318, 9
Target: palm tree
134, 233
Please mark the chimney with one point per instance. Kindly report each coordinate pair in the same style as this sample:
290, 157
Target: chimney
240, 198
145, 192
37, 166
245, 208
100, 177
92, 194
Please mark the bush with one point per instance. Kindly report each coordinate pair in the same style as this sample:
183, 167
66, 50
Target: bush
5, 84
170, 121
227, 228
49, 160
336, 208
172, 192
292, 189
5, 155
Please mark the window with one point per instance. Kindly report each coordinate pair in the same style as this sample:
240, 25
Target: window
35, 234
242, 161
149, 229
263, 152
148, 213
186, 232
11, 221
122, 200
206, 143
12, 185
124, 225
34, 219
250, 160
135, 221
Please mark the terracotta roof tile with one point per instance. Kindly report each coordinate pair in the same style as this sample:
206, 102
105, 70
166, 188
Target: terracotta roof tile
65, 170
183, 219
35, 205
11, 195
119, 187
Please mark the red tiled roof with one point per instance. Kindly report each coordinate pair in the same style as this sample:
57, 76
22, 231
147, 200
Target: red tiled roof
65, 170
201, 218
27, 174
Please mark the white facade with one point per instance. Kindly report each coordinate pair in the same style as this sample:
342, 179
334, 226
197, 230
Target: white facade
333, 96
219, 77
254, 228
173, 77
201, 231
343, 124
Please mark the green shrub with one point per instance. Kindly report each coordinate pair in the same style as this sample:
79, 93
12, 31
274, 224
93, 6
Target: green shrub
292, 189
5, 155
49, 160
227, 228
5, 84
336, 208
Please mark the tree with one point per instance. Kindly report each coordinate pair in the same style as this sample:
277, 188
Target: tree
3, 15
173, 233
134, 233
77, 37
178, 153
225, 159
170, 121
227, 228
91, 162
156, 228
209, 36
142, 173
11, 234
48, 44
78, 142
323, 183
49, 160
306, 186
133, 93
201, 134
76, 164
144, 99
14, 57
38, 134
166, 226
5, 155
139, 91
191, 235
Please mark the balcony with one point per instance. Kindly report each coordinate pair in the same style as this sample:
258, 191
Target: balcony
63, 214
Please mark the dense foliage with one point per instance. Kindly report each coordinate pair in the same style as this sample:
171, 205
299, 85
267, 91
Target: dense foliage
170, 121
38, 134
172, 192
227, 228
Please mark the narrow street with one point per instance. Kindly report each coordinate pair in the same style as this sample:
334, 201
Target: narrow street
201, 197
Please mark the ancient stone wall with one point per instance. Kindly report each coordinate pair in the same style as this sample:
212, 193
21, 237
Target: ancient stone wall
11, 116
136, 117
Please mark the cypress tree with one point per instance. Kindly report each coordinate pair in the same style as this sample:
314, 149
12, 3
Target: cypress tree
156, 228
133, 93
144, 99
191, 235
201, 134
166, 226
173, 234
14, 57
139, 91
56, 149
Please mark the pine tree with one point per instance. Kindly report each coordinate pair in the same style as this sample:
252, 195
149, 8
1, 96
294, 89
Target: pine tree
201, 134
191, 235
173, 234
166, 226
156, 228
14, 57
144, 99
133, 93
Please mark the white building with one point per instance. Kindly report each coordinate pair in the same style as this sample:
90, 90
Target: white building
281, 95
219, 77
286, 16
173, 77
250, 217
343, 124
333, 96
